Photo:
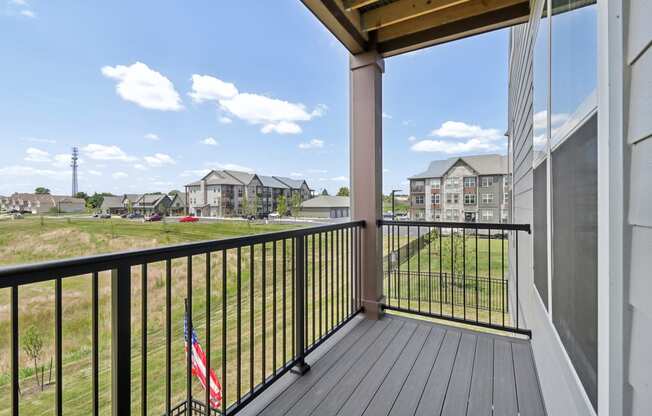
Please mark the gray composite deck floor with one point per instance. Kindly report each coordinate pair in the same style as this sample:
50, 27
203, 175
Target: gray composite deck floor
400, 366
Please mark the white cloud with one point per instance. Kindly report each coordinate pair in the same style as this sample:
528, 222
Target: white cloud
451, 147
312, 144
412, 139
209, 141
229, 166
335, 179
282, 127
22, 171
119, 175
274, 115
140, 166
94, 172
28, 13
555, 120
297, 175
387, 116
152, 136
225, 120
36, 155
144, 86
103, 152
461, 130
206, 87
195, 172
321, 171
63, 159
159, 159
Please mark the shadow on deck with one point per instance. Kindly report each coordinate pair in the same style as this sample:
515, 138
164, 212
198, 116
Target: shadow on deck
402, 366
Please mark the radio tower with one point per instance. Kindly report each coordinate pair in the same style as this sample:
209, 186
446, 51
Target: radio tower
73, 165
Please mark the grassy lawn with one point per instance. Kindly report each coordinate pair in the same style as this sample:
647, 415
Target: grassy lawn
29, 240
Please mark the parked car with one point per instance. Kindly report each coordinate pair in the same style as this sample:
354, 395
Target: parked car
402, 217
274, 215
125, 215
17, 216
134, 215
154, 217
105, 216
96, 215
189, 218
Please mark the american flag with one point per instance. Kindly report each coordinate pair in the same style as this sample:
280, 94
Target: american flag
198, 360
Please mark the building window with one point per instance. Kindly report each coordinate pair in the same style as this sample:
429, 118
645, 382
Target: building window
469, 182
486, 214
240, 192
452, 198
435, 183
419, 199
469, 199
506, 198
452, 183
434, 198
449, 214
487, 198
487, 181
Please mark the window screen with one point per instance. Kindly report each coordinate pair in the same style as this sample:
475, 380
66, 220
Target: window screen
539, 232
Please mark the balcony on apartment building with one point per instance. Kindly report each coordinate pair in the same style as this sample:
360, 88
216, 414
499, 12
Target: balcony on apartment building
365, 317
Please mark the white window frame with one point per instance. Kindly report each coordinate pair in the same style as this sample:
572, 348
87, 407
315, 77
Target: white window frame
473, 202
435, 199
486, 181
469, 178
487, 198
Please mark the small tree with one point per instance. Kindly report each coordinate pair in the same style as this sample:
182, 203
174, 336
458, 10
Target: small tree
343, 191
282, 205
82, 195
33, 347
41, 190
295, 204
324, 192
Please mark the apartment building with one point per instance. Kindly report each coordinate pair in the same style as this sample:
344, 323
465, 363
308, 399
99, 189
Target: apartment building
42, 203
462, 189
225, 193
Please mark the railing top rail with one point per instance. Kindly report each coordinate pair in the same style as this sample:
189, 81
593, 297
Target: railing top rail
50, 270
467, 225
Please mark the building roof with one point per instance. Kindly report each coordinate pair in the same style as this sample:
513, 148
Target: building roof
271, 182
150, 199
327, 201
243, 177
482, 164
132, 197
292, 183
112, 202
181, 196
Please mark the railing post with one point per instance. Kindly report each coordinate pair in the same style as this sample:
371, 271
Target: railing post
299, 299
121, 340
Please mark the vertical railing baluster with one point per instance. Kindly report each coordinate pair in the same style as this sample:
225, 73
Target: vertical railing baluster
441, 253
208, 333
275, 306
502, 278
224, 334
337, 278
58, 346
95, 358
489, 271
517, 294
143, 339
386, 228
477, 288
239, 324
333, 267
419, 268
190, 329
464, 270
409, 280
251, 316
15, 387
349, 263
398, 266
294, 297
326, 296
321, 294
263, 328
299, 317
283, 249
168, 335
452, 272
121, 340
313, 287
430, 270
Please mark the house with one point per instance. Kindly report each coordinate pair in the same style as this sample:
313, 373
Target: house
325, 206
149, 204
113, 205
468, 188
178, 204
43, 203
227, 193
129, 200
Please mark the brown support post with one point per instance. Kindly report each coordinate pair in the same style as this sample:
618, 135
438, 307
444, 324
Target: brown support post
121, 340
366, 71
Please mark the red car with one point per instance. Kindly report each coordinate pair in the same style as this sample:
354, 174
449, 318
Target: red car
189, 218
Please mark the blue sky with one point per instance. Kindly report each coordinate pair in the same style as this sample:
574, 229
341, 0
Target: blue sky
156, 92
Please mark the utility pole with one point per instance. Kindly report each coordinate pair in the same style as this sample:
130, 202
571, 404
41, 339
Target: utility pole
393, 210
74, 165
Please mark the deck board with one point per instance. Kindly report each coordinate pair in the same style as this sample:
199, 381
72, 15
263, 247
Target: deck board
403, 366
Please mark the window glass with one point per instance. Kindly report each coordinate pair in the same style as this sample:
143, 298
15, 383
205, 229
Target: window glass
541, 71
574, 57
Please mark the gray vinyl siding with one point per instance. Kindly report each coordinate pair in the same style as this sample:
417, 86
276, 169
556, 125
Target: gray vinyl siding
638, 178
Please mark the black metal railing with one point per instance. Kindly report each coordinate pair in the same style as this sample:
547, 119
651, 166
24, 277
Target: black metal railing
259, 305
455, 271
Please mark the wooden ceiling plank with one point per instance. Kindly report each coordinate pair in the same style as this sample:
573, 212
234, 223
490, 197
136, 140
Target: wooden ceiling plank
356, 4
444, 16
486, 22
402, 11
340, 23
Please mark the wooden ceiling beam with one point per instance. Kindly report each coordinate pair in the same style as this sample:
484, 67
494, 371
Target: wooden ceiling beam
344, 25
403, 11
356, 4
491, 20
444, 16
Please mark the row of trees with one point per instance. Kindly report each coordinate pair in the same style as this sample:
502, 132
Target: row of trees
343, 191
